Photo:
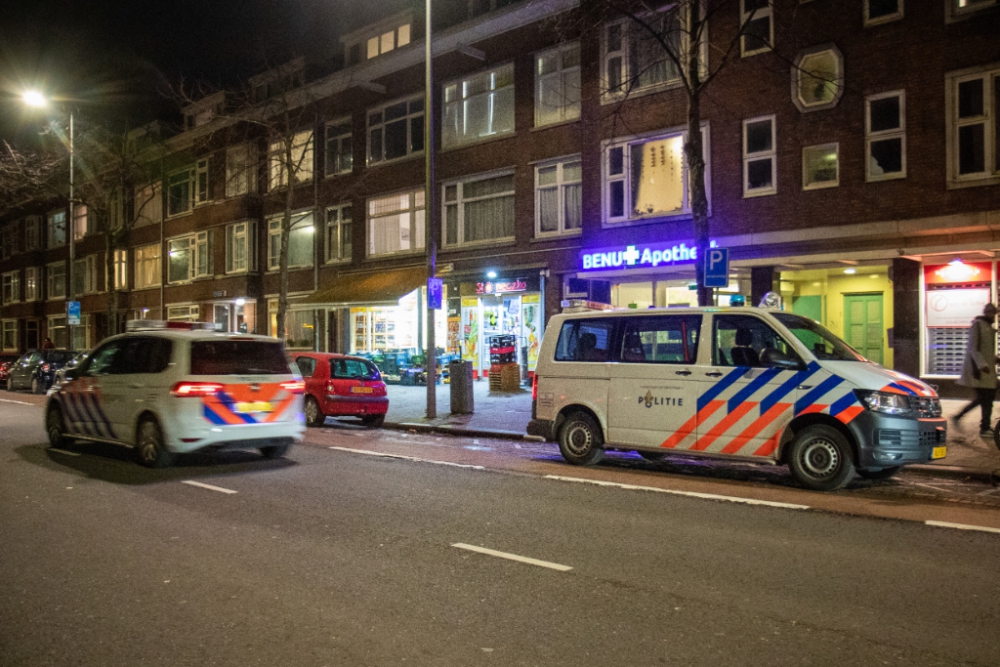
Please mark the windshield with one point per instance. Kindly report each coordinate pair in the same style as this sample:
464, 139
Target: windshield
238, 357
818, 338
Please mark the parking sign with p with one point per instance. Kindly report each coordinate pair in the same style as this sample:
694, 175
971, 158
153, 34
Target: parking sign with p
716, 267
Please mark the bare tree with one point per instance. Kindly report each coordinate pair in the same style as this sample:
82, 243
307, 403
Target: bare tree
28, 175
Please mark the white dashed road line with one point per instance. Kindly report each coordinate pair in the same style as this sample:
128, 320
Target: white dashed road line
514, 557
7, 400
208, 486
962, 526
691, 494
407, 458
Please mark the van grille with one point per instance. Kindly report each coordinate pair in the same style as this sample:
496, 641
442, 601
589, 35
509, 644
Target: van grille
927, 407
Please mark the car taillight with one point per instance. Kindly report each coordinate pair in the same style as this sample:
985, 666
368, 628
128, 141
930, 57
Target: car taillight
186, 389
534, 387
295, 386
45, 368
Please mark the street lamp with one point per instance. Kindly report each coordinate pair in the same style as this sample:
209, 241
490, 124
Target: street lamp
35, 99
431, 228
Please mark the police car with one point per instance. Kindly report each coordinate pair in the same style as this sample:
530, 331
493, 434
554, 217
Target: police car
167, 388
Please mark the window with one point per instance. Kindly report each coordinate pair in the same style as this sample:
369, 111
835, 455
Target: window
820, 166
57, 280
81, 222
9, 334
11, 287
973, 154
338, 233
759, 157
31, 284
961, 9
885, 136
558, 206
148, 205
757, 26
180, 191
300, 241
300, 162
119, 277
32, 233
634, 60
480, 209
189, 257
8, 241
300, 327
557, 85
57, 229
203, 183
241, 171
882, 11
387, 41
818, 78
396, 223
648, 177
85, 275
586, 340
340, 147
478, 107
147, 266
58, 332
396, 130
660, 340
183, 313
739, 340
240, 247
307, 366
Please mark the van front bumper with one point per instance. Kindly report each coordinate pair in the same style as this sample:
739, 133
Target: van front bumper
886, 441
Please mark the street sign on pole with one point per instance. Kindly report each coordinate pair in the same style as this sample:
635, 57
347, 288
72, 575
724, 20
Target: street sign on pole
717, 267
434, 290
73, 313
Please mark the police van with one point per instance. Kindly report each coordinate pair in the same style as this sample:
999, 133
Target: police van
166, 388
747, 384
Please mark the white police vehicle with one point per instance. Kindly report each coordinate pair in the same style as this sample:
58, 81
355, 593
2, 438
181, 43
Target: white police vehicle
166, 388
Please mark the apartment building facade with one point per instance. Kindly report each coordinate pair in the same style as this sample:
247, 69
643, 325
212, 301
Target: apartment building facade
855, 178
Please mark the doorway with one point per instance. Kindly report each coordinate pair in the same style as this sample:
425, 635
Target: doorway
863, 328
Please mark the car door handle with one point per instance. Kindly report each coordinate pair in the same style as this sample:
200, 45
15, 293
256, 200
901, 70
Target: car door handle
714, 374
682, 372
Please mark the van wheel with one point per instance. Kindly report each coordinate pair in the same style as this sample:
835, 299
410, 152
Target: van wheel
274, 452
314, 416
54, 428
580, 440
820, 459
652, 456
150, 448
883, 473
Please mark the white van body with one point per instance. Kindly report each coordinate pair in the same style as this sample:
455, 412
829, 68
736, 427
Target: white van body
741, 383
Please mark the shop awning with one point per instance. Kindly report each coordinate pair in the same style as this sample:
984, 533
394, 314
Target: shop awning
382, 288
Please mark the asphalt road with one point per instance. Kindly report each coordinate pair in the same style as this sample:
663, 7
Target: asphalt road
339, 557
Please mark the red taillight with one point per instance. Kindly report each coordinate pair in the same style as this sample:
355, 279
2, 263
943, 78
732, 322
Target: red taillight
534, 387
45, 368
185, 389
295, 386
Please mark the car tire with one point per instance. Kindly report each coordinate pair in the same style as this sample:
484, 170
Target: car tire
275, 451
373, 421
55, 428
10, 383
820, 458
37, 386
652, 456
314, 416
150, 449
883, 473
580, 440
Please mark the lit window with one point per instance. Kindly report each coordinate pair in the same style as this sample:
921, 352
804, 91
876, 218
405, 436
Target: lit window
558, 202
478, 107
239, 247
301, 236
57, 229
299, 161
241, 175
147, 266
396, 223
557, 85
189, 257
818, 78
821, 166
31, 284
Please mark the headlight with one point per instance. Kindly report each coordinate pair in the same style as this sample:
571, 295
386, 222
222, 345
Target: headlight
884, 402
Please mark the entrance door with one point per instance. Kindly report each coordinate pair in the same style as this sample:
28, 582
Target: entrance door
221, 317
863, 324
654, 391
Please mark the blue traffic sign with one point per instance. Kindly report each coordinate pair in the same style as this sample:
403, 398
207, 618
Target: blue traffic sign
73, 313
717, 267
434, 290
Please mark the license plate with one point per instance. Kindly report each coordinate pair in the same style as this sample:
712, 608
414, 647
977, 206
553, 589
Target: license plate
938, 452
246, 407
362, 390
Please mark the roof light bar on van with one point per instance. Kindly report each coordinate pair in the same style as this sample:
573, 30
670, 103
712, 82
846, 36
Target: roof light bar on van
155, 325
578, 305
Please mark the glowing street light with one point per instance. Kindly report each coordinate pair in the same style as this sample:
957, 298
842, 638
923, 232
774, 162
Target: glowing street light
33, 98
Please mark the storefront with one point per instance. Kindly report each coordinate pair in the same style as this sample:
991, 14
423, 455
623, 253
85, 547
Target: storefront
952, 295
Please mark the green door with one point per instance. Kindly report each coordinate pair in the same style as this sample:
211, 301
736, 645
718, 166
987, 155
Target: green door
863, 328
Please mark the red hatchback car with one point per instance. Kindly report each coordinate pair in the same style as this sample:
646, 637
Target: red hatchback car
341, 386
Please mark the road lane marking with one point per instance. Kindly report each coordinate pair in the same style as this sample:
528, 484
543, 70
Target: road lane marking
7, 400
514, 557
208, 486
962, 526
63, 451
691, 494
407, 458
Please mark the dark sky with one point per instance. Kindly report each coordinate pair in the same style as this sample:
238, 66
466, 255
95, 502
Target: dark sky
115, 58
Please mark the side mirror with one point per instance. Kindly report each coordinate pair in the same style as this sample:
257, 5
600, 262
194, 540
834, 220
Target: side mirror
773, 358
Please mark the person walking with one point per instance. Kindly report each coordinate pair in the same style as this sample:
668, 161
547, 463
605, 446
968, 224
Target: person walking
979, 372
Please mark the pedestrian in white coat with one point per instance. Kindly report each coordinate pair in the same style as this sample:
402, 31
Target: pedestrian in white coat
979, 371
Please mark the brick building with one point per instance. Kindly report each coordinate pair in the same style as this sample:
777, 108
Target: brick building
857, 179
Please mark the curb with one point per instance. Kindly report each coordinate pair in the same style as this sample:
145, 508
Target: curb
979, 474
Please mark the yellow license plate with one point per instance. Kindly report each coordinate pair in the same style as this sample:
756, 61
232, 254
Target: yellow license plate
362, 390
246, 407
938, 452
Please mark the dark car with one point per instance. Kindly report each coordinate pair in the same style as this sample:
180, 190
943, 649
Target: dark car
77, 359
7, 360
338, 385
36, 370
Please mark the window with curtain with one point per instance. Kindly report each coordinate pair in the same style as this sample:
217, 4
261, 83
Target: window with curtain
558, 208
478, 107
479, 209
396, 223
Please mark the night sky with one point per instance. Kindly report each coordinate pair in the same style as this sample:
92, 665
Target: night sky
119, 58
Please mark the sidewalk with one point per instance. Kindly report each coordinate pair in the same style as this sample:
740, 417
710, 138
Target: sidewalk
506, 415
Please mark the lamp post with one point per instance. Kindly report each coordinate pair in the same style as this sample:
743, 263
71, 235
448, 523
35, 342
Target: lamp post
33, 98
430, 226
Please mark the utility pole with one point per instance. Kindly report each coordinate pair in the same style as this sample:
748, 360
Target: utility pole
430, 358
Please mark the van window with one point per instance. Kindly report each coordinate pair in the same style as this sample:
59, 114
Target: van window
739, 339
818, 338
238, 357
585, 340
665, 339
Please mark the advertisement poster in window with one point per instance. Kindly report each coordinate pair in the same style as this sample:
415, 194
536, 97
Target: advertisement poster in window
470, 331
532, 312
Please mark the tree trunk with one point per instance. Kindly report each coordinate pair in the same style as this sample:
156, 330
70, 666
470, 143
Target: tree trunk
694, 151
286, 228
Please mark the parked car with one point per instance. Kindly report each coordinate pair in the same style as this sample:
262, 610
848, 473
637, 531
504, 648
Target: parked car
77, 359
338, 385
36, 370
6, 361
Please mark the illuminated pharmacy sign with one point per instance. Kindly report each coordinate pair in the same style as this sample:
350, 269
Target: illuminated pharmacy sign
644, 255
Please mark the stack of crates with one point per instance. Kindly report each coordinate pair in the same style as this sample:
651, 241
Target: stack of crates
505, 373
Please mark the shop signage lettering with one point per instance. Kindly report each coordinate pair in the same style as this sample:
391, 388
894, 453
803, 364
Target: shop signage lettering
639, 255
497, 287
